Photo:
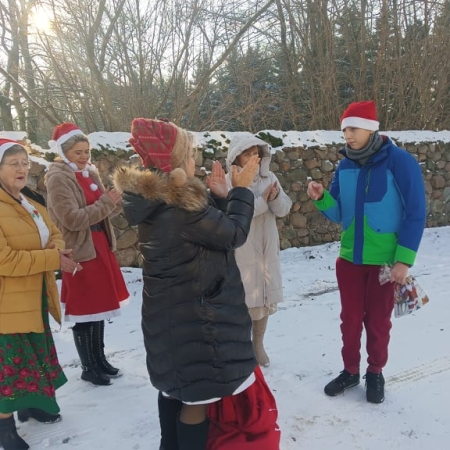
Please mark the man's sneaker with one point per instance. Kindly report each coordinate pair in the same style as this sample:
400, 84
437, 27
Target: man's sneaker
344, 381
374, 387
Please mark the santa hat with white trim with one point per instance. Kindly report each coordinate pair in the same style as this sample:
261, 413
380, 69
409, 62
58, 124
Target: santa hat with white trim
360, 115
5, 144
61, 134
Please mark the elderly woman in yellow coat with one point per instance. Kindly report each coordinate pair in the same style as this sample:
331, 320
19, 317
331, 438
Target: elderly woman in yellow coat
31, 249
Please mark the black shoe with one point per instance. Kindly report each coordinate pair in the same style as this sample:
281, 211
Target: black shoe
374, 387
9, 439
37, 414
344, 381
95, 376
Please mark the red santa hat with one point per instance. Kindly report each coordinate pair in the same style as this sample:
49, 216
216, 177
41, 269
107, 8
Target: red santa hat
360, 115
61, 134
5, 144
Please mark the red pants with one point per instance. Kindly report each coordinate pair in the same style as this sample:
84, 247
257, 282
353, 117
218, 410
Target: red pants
246, 421
364, 301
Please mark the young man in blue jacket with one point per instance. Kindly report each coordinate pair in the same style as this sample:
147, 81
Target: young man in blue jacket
378, 196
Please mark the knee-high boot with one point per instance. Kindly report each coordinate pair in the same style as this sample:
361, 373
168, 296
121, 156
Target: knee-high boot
168, 415
259, 329
91, 372
192, 437
98, 339
9, 439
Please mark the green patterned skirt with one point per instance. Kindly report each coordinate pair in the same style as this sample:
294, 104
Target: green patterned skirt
29, 369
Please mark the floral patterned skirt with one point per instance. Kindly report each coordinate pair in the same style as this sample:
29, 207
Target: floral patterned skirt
29, 369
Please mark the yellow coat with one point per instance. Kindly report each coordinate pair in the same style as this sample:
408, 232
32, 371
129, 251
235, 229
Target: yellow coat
23, 265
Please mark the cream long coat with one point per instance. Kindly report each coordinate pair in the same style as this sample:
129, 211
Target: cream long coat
23, 267
67, 207
259, 258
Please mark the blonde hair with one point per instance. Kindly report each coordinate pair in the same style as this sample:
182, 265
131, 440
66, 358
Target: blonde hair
66, 146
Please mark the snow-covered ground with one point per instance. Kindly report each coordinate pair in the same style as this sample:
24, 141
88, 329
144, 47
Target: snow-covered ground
303, 342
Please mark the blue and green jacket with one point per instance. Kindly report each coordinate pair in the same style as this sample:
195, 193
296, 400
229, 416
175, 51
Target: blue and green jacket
381, 206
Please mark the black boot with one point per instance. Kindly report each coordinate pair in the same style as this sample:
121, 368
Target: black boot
91, 371
9, 439
37, 414
192, 437
168, 416
98, 339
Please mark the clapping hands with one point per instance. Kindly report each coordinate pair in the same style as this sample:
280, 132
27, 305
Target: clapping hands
216, 180
245, 177
271, 192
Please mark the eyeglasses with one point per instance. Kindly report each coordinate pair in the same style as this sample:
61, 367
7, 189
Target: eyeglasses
19, 165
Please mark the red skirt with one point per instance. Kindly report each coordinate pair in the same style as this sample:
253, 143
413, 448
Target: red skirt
246, 421
96, 292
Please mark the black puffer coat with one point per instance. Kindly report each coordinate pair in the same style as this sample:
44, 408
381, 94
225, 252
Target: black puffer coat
195, 322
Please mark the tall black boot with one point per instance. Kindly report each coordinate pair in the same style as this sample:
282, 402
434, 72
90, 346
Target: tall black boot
9, 439
192, 437
91, 371
98, 339
168, 416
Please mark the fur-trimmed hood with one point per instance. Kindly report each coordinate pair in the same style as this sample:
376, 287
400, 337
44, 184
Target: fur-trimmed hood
145, 190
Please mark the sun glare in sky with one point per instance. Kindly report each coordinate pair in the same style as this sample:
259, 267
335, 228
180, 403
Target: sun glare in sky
40, 19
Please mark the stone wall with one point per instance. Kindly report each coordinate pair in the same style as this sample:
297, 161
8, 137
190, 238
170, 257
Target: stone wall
294, 167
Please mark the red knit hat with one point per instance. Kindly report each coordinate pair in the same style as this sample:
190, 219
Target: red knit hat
360, 115
61, 134
5, 144
160, 143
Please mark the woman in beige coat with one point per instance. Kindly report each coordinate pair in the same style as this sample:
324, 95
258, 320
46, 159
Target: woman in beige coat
81, 207
259, 258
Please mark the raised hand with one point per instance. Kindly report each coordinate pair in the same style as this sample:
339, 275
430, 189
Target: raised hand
274, 191
245, 177
315, 190
216, 181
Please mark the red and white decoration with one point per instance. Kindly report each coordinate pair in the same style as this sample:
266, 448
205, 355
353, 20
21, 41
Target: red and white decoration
360, 115
61, 134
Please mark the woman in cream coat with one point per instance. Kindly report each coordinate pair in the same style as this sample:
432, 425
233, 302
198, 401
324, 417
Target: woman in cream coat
259, 258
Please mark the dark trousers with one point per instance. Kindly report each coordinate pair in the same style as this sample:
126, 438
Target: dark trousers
364, 301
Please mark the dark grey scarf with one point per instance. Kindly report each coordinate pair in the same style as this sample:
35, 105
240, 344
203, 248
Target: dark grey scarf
363, 155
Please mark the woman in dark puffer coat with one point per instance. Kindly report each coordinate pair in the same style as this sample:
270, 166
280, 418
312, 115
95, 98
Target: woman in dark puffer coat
196, 326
